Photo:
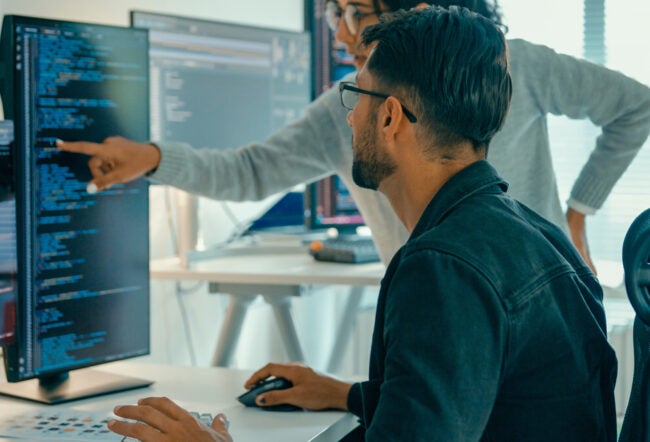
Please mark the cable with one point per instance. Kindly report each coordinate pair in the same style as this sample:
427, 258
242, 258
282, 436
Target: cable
186, 324
240, 226
170, 220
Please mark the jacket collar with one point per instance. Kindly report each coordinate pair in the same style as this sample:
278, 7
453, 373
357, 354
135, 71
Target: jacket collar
478, 177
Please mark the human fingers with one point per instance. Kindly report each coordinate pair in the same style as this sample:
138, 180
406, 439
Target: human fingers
99, 168
84, 147
220, 426
166, 406
103, 182
145, 414
270, 369
220, 422
277, 397
135, 430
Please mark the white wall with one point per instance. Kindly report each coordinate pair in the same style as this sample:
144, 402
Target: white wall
286, 14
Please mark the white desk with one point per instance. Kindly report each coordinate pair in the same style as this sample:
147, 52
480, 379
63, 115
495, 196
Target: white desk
209, 390
277, 273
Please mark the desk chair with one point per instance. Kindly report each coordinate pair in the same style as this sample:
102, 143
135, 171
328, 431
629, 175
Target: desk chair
636, 263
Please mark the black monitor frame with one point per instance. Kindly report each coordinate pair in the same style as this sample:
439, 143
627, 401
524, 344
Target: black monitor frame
61, 383
324, 65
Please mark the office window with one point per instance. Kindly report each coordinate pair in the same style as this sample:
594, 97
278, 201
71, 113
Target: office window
608, 32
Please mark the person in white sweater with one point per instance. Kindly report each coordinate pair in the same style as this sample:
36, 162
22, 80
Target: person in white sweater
319, 144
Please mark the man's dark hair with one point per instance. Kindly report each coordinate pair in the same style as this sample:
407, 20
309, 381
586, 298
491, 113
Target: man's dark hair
486, 8
451, 67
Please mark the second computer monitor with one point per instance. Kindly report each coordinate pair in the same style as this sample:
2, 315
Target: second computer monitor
223, 85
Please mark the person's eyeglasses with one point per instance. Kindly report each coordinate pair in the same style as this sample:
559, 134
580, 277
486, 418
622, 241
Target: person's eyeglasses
351, 15
350, 95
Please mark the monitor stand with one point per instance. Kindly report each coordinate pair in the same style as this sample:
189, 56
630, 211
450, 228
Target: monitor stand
65, 387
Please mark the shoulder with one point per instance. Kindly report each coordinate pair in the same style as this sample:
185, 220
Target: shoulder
525, 55
421, 262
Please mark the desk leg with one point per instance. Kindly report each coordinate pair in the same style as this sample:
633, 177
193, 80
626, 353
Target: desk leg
282, 311
345, 329
231, 329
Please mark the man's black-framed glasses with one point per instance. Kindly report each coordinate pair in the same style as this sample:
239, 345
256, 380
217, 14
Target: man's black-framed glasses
351, 15
350, 95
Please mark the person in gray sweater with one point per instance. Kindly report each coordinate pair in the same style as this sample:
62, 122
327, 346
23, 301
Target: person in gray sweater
319, 144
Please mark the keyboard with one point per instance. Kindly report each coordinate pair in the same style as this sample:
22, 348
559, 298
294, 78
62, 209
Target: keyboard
66, 424
205, 418
347, 249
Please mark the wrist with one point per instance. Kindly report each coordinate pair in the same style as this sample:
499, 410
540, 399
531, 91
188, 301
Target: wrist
340, 399
155, 159
574, 215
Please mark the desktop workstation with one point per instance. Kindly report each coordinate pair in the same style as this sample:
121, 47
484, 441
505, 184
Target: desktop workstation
75, 287
202, 389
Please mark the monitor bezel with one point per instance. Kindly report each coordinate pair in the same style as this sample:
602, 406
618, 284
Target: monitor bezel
134, 12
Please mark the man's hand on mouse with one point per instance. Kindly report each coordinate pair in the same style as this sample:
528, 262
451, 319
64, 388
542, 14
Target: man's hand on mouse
311, 390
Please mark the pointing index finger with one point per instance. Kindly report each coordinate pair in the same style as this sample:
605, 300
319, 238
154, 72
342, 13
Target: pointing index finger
84, 147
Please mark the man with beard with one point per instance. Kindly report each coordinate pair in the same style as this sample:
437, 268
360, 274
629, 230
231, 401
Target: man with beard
489, 325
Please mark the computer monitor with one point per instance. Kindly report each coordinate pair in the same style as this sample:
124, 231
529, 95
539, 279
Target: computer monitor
328, 202
7, 238
77, 263
223, 85
331, 206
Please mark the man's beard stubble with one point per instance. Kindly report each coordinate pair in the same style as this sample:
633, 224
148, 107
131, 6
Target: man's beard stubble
370, 164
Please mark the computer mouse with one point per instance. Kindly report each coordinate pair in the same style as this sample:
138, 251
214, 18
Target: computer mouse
249, 397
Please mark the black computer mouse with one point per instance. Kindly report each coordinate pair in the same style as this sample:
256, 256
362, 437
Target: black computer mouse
248, 398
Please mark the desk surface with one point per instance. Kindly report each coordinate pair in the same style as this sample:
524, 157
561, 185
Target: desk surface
212, 390
270, 266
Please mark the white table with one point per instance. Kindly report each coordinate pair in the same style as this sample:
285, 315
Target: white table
208, 390
276, 273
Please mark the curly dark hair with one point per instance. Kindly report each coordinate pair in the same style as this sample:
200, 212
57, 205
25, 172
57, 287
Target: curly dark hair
486, 8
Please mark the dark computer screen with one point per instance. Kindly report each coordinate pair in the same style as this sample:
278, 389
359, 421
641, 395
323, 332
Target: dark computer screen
77, 264
328, 201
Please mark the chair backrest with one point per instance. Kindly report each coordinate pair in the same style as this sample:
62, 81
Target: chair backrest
636, 263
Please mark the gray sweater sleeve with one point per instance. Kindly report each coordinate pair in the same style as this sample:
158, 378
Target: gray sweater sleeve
564, 85
303, 151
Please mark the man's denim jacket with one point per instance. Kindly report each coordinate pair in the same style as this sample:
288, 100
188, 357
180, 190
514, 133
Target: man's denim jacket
489, 326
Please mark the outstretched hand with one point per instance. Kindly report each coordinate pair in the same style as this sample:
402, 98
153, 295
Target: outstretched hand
310, 390
115, 160
576, 222
161, 420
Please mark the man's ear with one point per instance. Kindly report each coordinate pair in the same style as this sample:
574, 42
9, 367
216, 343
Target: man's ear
392, 117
